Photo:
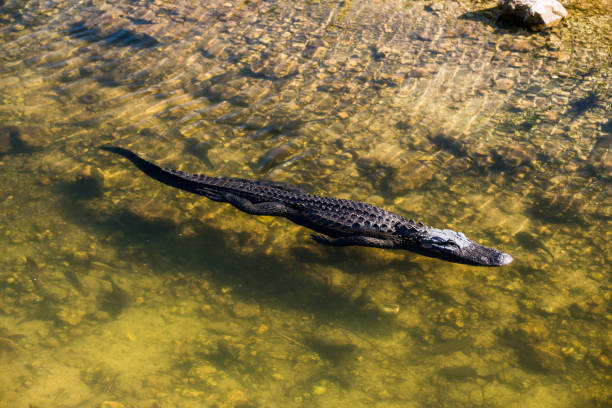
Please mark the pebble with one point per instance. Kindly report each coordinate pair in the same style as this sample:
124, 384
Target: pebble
274, 157
534, 330
327, 162
245, 310
522, 45
70, 316
112, 404
419, 72
203, 371
236, 399
560, 56
319, 390
315, 49
504, 84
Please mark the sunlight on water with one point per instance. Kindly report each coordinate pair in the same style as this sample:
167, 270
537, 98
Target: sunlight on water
117, 291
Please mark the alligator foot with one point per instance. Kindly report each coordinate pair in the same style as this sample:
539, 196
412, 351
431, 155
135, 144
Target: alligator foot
267, 208
354, 240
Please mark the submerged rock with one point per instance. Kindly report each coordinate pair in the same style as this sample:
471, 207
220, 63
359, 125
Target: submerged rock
22, 138
409, 177
245, 310
459, 373
513, 156
332, 344
33, 136
545, 356
274, 157
600, 157
536, 14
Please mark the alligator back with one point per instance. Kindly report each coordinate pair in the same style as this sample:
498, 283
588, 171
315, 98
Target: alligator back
330, 215
333, 216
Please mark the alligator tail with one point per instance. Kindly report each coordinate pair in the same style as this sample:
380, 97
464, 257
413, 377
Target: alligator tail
172, 178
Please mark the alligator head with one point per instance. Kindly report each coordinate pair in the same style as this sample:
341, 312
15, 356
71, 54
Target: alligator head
451, 246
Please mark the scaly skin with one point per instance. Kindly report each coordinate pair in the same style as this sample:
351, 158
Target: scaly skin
342, 222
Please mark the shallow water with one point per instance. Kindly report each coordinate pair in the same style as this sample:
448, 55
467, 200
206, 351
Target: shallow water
119, 291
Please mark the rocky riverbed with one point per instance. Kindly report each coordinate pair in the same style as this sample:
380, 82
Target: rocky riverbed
117, 291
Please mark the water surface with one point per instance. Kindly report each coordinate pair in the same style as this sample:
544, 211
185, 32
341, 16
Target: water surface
119, 291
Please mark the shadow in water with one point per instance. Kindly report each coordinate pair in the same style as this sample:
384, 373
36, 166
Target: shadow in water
119, 38
83, 188
492, 17
488, 16
256, 276
593, 99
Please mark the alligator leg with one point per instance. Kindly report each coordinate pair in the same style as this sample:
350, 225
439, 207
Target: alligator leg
266, 208
212, 194
355, 240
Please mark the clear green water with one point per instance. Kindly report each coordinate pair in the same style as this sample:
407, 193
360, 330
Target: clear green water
118, 291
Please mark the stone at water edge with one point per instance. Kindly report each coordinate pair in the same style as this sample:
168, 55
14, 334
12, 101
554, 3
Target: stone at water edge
536, 14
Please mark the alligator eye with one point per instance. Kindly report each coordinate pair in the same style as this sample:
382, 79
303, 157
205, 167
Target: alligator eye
447, 245
453, 244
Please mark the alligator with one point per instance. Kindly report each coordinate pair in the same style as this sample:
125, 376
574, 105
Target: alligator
339, 222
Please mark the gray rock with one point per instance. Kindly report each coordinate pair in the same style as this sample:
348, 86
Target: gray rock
536, 14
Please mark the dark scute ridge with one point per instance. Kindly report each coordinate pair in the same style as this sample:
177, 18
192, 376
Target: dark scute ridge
280, 185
